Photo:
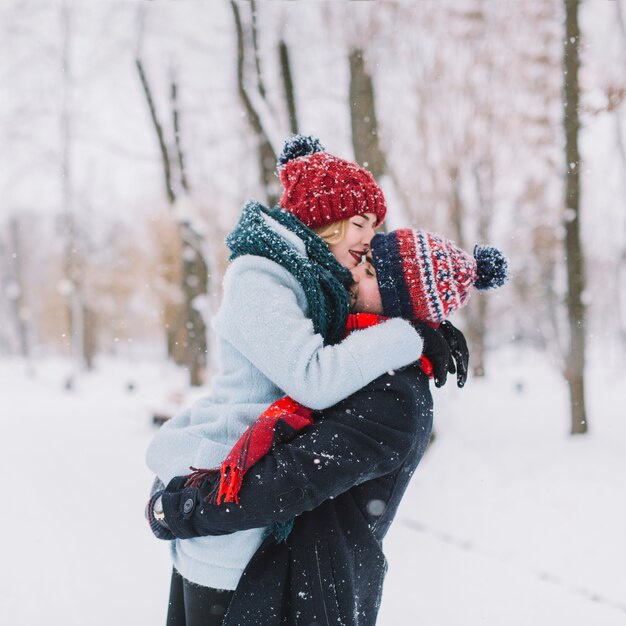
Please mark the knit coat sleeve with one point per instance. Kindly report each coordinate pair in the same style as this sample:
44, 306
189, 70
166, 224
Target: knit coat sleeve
264, 316
362, 438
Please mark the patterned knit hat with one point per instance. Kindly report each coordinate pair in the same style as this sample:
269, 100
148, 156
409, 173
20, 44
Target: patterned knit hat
422, 276
320, 188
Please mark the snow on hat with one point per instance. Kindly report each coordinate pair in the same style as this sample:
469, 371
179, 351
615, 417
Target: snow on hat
320, 188
422, 276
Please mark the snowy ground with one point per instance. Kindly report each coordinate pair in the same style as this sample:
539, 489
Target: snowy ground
508, 520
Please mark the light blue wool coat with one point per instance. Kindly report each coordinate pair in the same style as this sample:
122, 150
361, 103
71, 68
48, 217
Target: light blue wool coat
267, 348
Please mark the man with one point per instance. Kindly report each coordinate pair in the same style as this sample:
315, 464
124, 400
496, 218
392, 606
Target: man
342, 480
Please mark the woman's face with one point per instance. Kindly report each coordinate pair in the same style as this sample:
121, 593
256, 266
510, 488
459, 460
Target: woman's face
350, 250
364, 293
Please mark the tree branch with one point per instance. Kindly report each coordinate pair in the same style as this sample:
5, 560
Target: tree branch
165, 158
285, 67
176, 122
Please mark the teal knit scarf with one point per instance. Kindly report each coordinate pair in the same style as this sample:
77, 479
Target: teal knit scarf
324, 280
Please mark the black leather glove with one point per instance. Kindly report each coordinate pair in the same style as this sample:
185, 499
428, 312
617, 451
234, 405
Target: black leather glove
458, 349
437, 351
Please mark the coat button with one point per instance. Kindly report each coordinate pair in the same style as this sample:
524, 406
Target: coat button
188, 506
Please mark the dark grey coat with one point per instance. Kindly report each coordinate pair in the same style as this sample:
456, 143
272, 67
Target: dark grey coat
343, 478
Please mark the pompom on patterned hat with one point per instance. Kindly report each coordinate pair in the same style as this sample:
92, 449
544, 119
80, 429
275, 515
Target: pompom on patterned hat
320, 188
422, 276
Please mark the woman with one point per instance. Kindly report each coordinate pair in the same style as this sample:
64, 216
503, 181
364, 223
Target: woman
283, 313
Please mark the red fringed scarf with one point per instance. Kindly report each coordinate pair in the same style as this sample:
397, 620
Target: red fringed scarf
279, 422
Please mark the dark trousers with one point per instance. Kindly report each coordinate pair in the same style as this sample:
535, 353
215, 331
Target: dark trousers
193, 605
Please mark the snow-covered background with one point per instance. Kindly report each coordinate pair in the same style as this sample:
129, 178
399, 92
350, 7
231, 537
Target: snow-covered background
507, 520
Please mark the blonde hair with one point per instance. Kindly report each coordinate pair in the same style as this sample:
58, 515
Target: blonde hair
334, 232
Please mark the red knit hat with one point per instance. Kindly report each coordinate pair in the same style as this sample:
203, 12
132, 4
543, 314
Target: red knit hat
320, 188
422, 276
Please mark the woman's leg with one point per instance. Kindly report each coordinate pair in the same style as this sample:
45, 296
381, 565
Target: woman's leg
193, 605
205, 606
176, 609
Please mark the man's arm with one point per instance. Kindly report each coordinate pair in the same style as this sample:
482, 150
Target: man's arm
363, 437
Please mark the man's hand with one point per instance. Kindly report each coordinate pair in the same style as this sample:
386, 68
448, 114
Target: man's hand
458, 349
437, 351
154, 514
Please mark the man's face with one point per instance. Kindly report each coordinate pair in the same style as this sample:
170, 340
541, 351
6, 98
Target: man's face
364, 293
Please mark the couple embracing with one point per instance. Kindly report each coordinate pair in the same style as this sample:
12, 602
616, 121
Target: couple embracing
277, 489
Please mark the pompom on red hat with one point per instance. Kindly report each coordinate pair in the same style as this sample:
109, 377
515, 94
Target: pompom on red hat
320, 188
422, 276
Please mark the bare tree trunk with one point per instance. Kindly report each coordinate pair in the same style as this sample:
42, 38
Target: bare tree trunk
364, 123
73, 290
474, 315
16, 294
477, 313
6, 285
165, 158
575, 365
184, 183
266, 154
367, 150
175, 317
195, 274
621, 264
285, 70
255, 48
184, 325
456, 205
90, 336
195, 285
68, 226
620, 300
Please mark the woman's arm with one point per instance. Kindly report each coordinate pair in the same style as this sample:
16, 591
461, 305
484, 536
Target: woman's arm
366, 436
263, 316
